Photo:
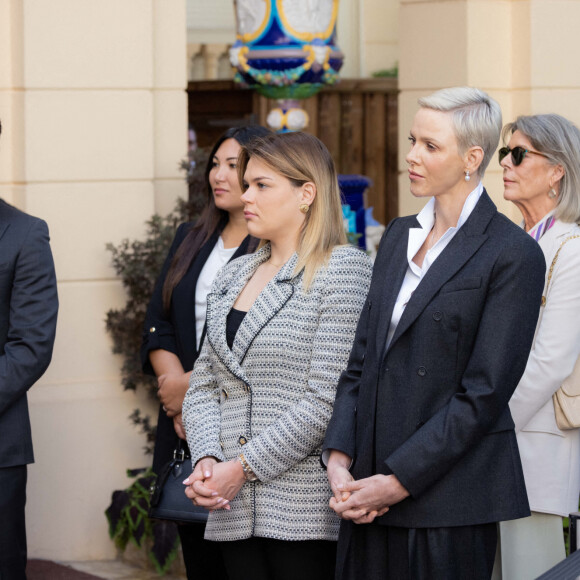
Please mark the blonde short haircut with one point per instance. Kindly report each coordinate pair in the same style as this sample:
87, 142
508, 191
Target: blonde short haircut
476, 119
302, 158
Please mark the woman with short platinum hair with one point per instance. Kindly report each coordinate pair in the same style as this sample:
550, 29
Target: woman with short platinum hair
421, 452
476, 119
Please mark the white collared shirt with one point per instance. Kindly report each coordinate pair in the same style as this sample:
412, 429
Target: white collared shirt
218, 257
417, 237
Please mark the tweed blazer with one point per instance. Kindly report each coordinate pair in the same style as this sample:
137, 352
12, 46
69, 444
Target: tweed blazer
271, 395
551, 457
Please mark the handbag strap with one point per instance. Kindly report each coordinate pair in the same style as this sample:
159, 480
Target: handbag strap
180, 453
551, 270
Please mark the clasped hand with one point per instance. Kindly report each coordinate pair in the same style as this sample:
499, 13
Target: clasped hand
214, 484
362, 500
171, 391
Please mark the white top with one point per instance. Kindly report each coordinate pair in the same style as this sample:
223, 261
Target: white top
417, 237
218, 257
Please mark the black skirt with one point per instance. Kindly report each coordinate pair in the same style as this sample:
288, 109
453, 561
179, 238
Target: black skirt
377, 552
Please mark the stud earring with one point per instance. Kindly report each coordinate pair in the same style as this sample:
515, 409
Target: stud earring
467, 176
304, 207
552, 193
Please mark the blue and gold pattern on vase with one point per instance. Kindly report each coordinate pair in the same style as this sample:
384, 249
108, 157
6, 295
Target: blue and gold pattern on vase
353, 188
286, 49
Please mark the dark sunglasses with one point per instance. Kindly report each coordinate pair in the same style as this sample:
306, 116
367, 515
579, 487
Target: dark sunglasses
518, 154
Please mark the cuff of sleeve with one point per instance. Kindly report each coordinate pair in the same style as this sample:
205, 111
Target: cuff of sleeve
325, 456
200, 455
247, 468
251, 458
154, 341
403, 480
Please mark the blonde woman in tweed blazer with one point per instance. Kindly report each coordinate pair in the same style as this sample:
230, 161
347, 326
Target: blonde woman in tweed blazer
257, 408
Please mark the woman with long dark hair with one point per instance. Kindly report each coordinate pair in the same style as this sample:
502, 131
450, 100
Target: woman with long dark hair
175, 321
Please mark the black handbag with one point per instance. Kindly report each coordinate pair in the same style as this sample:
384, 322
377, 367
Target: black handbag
168, 500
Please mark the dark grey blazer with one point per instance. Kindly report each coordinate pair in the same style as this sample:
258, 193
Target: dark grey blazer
433, 407
28, 311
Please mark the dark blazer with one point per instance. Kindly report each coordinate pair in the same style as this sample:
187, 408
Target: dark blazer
28, 311
175, 331
433, 407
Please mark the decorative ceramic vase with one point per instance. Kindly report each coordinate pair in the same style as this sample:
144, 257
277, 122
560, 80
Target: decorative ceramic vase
352, 188
286, 50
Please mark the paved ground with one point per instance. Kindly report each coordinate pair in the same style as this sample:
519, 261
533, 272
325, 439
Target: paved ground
117, 570
46, 570
102, 570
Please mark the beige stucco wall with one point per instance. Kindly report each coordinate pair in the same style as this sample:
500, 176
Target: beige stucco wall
368, 34
379, 36
94, 111
524, 53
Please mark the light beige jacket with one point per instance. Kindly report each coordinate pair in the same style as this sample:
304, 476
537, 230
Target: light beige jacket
551, 457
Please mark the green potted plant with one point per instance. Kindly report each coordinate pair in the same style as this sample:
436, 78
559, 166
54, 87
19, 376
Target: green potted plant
138, 263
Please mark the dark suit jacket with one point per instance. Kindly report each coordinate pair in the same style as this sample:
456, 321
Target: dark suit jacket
433, 407
175, 331
28, 311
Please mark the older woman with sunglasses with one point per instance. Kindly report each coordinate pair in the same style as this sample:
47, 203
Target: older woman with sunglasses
541, 166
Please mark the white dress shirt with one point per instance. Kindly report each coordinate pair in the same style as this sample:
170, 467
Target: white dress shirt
218, 257
417, 237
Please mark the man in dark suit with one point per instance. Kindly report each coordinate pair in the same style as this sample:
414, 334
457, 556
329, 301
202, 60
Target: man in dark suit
28, 311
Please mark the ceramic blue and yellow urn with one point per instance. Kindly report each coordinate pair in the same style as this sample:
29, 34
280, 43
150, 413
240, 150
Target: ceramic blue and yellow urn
286, 50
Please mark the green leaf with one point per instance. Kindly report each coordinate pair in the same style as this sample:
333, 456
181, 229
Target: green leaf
165, 545
138, 264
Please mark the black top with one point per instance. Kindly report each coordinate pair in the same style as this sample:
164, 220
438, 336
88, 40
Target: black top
174, 331
233, 322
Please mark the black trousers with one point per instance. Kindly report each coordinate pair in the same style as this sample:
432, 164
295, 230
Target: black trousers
12, 524
376, 552
203, 559
267, 559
